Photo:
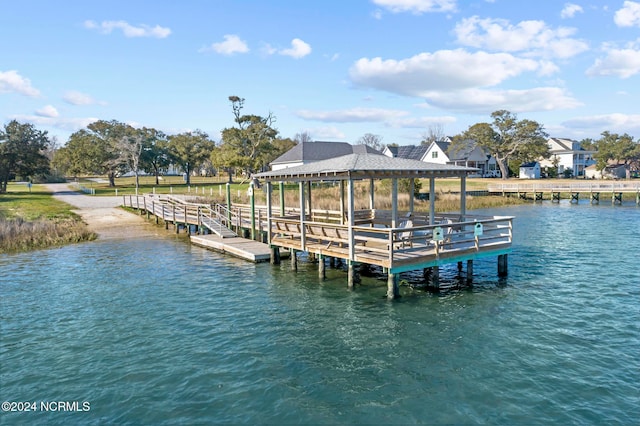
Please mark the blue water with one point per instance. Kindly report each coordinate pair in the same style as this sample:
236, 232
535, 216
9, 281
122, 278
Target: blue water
155, 331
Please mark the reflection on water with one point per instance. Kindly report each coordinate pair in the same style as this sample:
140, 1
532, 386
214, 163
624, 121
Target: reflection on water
155, 331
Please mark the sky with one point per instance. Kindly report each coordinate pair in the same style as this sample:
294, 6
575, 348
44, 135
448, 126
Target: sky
335, 69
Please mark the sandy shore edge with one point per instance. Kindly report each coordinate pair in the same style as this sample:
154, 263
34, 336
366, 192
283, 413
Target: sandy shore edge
103, 215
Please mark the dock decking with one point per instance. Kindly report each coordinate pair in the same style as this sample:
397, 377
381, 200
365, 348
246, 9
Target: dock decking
242, 248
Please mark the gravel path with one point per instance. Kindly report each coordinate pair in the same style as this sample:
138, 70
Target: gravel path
103, 215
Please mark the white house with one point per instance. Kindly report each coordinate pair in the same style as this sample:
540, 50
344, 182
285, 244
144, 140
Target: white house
530, 170
469, 155
611, 171
568, 155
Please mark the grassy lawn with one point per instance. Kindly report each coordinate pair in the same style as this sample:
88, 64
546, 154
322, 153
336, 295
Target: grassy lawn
38, 203
33, 219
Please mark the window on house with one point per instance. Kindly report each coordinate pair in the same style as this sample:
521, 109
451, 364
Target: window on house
434, 154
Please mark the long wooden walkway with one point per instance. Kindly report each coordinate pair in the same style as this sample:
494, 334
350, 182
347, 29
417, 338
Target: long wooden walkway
571, 190
211, 224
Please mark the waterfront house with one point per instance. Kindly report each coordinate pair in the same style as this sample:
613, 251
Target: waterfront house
467, 154
568, 156
611, 171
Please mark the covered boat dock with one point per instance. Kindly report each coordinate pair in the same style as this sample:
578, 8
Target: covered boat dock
398, 241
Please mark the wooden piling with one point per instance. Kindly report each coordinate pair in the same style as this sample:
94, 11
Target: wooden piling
434, 282
393, 289
294, 260
321, 267
275, 255
469, 270
503, 264
352, 273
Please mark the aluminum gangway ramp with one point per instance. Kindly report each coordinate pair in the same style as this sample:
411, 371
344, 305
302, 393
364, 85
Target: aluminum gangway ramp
216, 226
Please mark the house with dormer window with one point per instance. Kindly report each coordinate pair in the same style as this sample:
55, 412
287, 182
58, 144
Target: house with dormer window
468, 155
568, 156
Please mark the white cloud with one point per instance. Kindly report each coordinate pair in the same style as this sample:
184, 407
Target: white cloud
616, 122
444, 70
486, 101
11, 81
622, 63
78, 98
531, 37
326, 132
417, 7
299, 49
420, 122
106, 27
67, 124
629, 15
231, 44
47, 111
570, 10
354, 115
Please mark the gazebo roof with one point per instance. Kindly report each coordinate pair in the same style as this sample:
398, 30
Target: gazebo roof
364, 166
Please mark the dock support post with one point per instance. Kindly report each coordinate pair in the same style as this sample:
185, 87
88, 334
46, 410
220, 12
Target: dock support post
434, 283
321, 269
275, 255
228, 187
595, 198
616, 198
503, 265
393, 290
469, 270
252, 202
332, 262
555, 197
352, 273
575, 196
294, 260
459, 266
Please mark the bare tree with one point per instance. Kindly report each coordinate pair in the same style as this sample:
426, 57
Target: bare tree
434, 133
374, 141
130, 147
303, 137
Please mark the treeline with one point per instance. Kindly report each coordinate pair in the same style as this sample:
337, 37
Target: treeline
113, 148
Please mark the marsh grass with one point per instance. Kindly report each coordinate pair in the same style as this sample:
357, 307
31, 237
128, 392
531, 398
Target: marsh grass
35, 220
327, 197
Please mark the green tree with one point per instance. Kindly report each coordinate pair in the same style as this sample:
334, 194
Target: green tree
155, 153
98, 149
23, 151
189, 150
248, 147
508, 138
619, 148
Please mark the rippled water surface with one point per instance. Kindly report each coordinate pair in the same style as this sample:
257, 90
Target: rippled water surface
155, 331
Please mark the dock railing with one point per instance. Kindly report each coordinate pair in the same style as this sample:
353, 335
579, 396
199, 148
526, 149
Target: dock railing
565, 187
384, 245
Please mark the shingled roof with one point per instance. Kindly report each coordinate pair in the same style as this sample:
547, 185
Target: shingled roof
364, 166
316, 151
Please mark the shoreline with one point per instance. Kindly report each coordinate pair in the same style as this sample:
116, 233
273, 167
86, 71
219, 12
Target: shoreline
103, 215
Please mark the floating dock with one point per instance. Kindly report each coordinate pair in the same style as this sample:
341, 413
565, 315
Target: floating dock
243, 248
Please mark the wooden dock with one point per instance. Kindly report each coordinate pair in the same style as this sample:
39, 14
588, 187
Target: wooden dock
573, 191
212, 226
242, 248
